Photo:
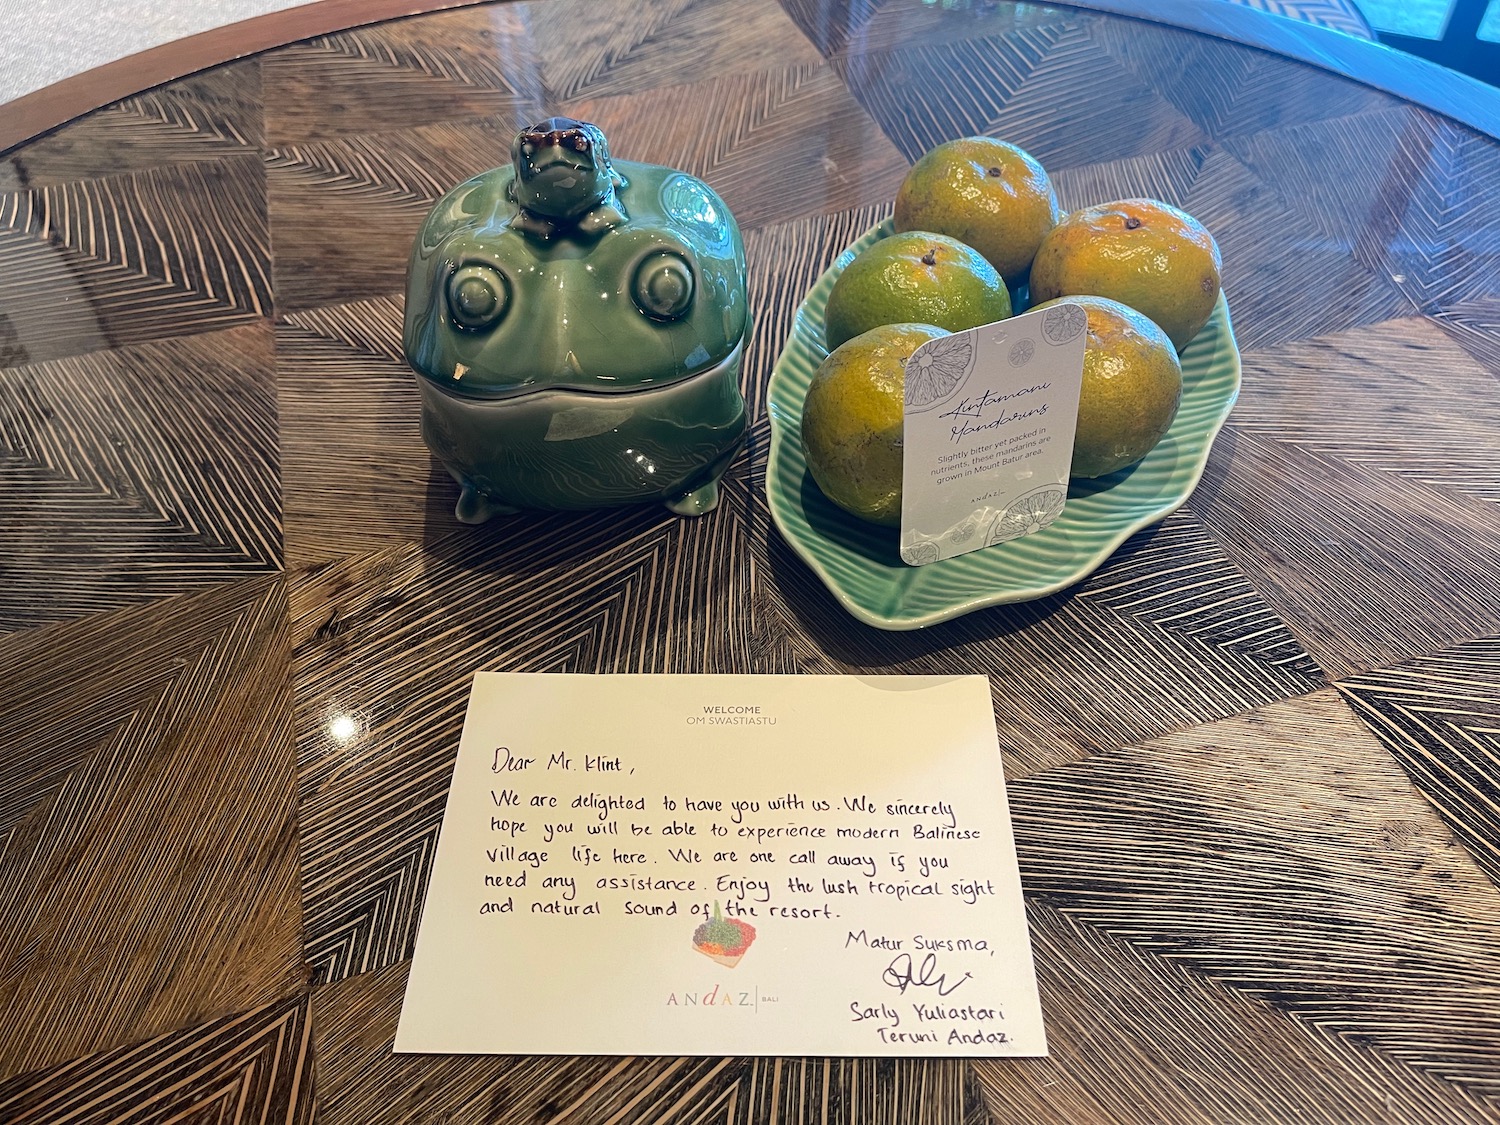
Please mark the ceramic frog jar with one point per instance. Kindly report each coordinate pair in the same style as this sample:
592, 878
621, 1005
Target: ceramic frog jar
577, 325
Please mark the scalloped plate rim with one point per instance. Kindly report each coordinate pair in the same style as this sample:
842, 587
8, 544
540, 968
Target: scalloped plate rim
782, 431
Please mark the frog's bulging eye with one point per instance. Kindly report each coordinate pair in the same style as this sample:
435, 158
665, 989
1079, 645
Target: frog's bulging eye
478, 297
663, 286
581, 143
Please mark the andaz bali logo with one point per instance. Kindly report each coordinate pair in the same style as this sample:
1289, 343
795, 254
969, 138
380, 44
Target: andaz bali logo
715, 997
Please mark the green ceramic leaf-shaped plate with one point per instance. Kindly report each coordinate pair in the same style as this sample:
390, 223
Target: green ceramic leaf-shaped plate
858, 561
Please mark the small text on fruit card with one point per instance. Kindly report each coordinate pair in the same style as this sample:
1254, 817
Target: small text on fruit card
990, 418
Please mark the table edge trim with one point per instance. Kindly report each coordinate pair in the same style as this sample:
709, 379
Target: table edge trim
33, 115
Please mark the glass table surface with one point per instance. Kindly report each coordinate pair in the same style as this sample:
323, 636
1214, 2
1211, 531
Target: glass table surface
1252, 760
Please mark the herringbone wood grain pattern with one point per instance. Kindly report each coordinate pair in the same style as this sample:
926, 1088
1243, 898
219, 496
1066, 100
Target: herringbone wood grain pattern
251, 1066
135, 257
151, 882
1252, 759
138, 472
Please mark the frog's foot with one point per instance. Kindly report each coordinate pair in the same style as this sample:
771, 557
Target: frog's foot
475, 507
533, 225
606, 216
698, 502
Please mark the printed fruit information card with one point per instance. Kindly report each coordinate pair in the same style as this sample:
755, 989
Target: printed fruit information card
991, 414
725, 865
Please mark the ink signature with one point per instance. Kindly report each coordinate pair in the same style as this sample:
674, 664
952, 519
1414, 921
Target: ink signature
902, 974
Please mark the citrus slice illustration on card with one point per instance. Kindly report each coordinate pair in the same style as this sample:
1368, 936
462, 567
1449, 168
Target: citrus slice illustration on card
723, 939
937, 369
1032, 512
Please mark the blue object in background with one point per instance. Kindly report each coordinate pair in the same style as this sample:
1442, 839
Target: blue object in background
1421, 19
1489, 27
1463, 35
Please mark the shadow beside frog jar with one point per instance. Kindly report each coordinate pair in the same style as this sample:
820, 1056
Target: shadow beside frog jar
577, 326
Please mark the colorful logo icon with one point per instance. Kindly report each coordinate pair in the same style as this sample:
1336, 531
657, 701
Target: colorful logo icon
725, 940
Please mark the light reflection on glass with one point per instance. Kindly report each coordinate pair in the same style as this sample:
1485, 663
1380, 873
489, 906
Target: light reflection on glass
642, 460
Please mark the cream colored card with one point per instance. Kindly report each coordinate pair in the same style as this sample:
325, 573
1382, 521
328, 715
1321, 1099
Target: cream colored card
991, 414
725, 865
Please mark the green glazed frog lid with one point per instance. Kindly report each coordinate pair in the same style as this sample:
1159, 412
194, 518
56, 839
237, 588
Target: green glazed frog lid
567, 269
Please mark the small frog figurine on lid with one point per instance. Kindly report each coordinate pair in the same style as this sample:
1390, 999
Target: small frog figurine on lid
577, 325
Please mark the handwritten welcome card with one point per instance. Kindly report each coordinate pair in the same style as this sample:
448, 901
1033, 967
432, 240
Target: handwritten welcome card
990, 418
725, 865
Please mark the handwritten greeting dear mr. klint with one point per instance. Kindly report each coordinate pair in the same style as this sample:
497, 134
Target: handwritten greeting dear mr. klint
705, 865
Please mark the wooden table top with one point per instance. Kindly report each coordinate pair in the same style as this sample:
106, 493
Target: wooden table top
1252, 760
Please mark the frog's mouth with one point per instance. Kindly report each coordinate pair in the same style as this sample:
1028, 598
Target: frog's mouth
558, 171
461, 382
